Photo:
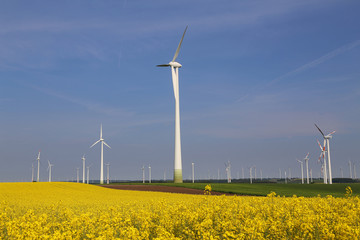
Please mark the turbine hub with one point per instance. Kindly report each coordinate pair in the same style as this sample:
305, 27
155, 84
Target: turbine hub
175, 64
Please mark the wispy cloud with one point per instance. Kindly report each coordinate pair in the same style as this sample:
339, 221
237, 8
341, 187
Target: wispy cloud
306, 66
318, 61
86, 104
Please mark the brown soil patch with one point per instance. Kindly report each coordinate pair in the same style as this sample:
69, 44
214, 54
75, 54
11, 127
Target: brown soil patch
155, 188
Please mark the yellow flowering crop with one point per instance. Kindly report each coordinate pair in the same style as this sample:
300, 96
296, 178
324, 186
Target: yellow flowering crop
81, 211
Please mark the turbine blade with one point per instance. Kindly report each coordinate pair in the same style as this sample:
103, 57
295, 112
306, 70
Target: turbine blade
331, 133
319, 145
100, 131
319, 130
106, 144
163, 65
95, 143
307, 155
178, 48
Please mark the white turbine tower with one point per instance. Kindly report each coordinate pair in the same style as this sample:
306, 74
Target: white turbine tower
350, 169
327, 137
77, 175
228, 171
107, 175
38, 173
32, 172
175, 80
149, 174
302, 171
323, 156
102, 142
88, 173
83, 176
143, 174
49, 169
306, 159
193, 172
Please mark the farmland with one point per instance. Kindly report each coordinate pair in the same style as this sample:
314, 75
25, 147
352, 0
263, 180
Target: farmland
80, 211
288, 190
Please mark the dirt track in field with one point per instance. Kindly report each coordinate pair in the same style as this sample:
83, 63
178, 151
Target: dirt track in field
155, 188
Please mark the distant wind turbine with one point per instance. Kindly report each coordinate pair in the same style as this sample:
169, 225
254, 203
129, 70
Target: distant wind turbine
175, 80
49, 169
32, 172
350, 169
77, 175
149, 174
102, 142
107, 175
228, 171
327, 137
143, 174
88, 173
83, 176
323, 162
302, 171
38, 172
306, 159
193, 172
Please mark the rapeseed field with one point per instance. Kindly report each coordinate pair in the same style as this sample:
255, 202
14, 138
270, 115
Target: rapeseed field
80, 211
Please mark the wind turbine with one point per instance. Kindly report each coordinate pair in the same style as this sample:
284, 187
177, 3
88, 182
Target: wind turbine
250, 169
32, 172
77, 175
149, 174
193, 172
228, 171
323, 155
49, 169
350, 169
83, 160
306, 159
327, 137
107, 176
302, 171
88, 173
175, 80
143, 174
102, 142
38, 173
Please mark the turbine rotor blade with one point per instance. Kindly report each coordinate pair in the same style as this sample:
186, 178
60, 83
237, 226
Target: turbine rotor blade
319, 130
95, 143
307, 155
321, 147
106, 144
163, 65
331, 133
178, 48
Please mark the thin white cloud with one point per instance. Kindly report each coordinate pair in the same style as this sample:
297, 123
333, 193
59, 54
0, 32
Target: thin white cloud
87, 104
318, 61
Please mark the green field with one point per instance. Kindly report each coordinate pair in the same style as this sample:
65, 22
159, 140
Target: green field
262, 189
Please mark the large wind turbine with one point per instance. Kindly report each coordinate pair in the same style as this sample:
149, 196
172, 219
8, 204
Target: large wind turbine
327, 137
102, 142
175, 80
38, 173
49, 169
83, 160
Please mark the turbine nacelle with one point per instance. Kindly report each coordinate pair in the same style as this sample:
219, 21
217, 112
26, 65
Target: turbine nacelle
328, 137
175, 64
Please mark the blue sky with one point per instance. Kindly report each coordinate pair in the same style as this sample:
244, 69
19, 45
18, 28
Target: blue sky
256, 76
